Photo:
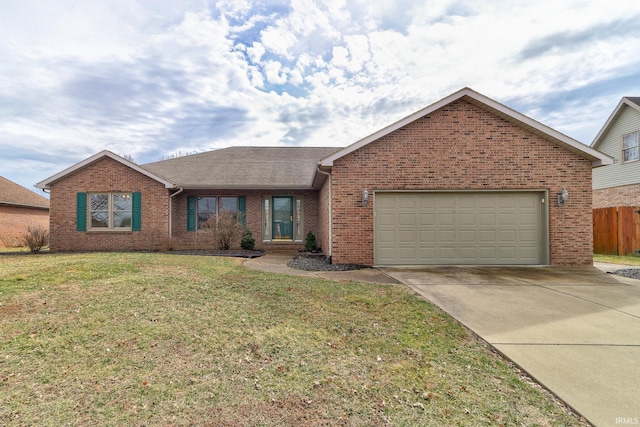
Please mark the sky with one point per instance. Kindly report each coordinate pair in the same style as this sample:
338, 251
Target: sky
153, 79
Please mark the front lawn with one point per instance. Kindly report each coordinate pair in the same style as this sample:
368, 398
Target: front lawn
151, 339
615, 259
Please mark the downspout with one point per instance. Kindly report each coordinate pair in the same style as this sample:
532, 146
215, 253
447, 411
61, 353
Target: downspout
171, 211
330, 214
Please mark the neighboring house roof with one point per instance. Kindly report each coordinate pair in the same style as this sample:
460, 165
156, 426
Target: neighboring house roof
481, 101
245, 167
629, 101
14, 194
46, 184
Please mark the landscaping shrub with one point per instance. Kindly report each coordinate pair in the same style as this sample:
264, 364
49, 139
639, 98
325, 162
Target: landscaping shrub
310, 243
248, 242
35, 237
223, 231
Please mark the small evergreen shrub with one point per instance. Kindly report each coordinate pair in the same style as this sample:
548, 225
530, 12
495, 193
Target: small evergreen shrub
247, 242
310, 243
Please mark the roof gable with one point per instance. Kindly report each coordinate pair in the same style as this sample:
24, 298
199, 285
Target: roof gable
14, 194
627, 101
46, 184
469, 95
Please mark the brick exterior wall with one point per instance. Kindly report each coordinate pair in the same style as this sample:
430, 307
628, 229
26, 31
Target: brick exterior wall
462, 147
625, 195
323, 217
14, 220
108, 175
183, 239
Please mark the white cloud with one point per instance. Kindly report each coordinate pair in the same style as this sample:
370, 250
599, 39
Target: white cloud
153, 77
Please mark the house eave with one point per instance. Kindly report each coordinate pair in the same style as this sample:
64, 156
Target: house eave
23, 205
597, 158
46, 184
247, 188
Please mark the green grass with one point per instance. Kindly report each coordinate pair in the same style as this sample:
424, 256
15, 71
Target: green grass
112, 339
614, 259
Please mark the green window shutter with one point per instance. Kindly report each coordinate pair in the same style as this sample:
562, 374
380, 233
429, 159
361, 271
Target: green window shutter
136, 211
81, 211
191, 213
242, 208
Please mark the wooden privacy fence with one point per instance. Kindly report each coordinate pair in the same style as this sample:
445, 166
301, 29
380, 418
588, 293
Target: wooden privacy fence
616, 230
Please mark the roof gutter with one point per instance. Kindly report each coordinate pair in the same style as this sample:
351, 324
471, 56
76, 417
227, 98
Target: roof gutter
328, 174
171, 211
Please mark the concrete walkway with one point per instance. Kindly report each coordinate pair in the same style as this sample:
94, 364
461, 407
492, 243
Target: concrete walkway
575, 330
276, 262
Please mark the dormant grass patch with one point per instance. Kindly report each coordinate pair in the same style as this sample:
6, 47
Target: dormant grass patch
151, 339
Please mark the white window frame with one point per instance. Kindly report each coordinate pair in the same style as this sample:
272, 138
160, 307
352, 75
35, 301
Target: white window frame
109, 211
634, 148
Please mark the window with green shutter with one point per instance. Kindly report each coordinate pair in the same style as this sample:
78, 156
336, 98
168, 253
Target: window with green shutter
201, 209
109, 211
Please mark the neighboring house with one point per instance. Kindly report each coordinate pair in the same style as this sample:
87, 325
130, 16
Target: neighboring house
619, 183
616, 188
465, 180
19, 208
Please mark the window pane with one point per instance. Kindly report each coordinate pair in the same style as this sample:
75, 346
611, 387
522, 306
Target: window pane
267, 221
99, 219
206, 209
122, 202
207, 205
228, 204
122, 219
99, 202
631, 154
630, 140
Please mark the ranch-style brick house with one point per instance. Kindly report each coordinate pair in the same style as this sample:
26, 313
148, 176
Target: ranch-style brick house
465, 180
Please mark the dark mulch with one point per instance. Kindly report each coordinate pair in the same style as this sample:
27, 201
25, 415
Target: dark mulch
319, 262
238, 253
632, 273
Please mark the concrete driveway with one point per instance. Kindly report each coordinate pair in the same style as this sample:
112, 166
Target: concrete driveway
576, 330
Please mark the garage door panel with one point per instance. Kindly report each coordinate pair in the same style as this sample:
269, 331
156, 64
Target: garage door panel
427, 236
527, 219
507, 219
446, 236
406, 219
467, 218
459, 228
467, 236
487, 218
406, 236
407, 202
446, 218
383, 219
486, 236
427, 218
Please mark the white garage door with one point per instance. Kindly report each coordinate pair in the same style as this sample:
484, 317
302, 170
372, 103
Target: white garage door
475, 228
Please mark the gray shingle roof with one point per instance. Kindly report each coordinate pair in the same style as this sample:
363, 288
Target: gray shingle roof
634, 99
14, 194
244, 167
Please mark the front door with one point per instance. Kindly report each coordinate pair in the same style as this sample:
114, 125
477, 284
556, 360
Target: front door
283, 218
